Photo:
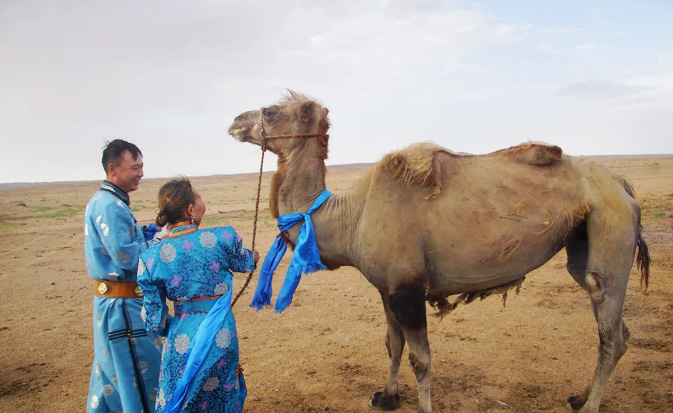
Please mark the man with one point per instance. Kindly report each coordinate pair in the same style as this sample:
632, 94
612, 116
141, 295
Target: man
125, 371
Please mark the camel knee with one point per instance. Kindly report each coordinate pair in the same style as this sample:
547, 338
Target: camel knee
420, 366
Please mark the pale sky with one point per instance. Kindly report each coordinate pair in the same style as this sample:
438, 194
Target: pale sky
594, 77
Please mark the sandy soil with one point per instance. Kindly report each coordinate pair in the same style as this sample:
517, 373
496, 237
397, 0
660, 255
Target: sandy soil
327, 352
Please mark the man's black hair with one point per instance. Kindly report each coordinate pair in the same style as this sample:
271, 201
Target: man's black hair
114, 150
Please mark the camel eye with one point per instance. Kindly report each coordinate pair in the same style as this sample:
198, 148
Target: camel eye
268, 114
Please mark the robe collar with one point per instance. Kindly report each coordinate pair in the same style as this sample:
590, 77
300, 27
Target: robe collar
116, 191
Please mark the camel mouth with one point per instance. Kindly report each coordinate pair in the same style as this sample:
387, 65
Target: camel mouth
239, 133
234, 132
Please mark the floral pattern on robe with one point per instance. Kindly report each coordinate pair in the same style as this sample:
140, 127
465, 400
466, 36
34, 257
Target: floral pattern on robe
196, 265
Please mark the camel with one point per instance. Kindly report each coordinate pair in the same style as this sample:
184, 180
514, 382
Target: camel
426, 223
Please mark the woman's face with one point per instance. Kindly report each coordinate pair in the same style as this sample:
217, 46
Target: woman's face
198, 207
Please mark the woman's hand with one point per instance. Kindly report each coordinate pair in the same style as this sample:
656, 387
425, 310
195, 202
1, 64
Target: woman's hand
255, 257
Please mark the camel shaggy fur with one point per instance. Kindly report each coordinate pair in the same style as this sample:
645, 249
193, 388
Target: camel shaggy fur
426, 223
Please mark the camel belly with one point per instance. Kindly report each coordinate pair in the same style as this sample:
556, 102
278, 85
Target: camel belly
452, 273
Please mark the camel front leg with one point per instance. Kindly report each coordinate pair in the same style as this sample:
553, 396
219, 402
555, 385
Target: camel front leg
389, 398
408, 306
419, 358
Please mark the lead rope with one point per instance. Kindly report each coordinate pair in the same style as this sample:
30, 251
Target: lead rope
254, 229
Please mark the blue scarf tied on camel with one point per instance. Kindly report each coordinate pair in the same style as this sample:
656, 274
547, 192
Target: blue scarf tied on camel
305, 260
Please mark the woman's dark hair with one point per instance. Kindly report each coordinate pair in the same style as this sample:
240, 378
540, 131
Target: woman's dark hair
174, 199
113, 151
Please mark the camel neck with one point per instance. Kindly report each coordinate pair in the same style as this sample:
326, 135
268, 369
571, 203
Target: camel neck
303, 180
295, 187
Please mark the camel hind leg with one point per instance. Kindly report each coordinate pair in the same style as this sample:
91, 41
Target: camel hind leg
600, 256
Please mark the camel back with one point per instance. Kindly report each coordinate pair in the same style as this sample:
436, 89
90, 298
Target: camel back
532, 179
418, 163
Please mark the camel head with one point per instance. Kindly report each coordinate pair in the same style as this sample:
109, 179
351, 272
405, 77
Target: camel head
284, 127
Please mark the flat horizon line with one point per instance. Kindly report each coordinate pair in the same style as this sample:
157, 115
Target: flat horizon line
25, 184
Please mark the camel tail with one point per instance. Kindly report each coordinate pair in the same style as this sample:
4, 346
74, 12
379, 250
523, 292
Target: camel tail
643, 261
643, 257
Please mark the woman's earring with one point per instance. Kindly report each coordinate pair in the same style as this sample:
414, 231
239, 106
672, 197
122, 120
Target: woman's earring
192, 219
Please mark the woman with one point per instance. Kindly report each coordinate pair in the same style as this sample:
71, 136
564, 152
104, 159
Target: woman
192, 267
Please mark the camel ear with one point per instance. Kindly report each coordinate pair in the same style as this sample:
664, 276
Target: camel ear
306, 111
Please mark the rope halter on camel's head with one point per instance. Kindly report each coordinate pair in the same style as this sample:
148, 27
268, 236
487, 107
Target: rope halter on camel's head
262, 133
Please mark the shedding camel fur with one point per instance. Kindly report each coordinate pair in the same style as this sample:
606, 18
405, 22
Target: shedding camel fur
425, 224
444, 307
416, 165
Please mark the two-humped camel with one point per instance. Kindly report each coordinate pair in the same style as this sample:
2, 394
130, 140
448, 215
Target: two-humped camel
426, 223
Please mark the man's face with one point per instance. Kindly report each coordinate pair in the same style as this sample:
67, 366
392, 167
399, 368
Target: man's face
127, 174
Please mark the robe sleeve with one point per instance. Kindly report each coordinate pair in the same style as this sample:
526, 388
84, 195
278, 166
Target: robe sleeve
155, 311
117, 232
240, 259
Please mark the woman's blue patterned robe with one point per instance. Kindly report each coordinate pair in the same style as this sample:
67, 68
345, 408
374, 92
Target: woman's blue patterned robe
182, 268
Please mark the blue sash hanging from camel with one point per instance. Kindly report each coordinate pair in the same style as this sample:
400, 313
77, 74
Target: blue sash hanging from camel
305, 260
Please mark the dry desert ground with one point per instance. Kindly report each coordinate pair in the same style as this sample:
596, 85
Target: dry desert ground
327, 351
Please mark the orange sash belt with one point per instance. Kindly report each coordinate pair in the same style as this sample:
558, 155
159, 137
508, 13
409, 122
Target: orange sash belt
195, 305
112, 289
